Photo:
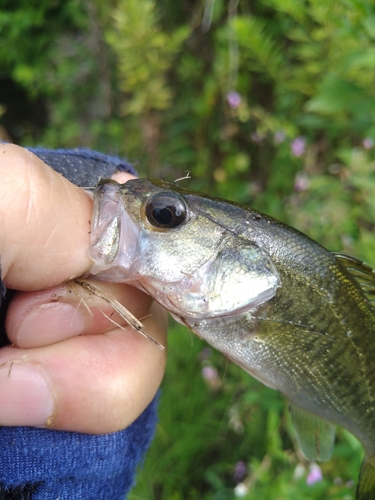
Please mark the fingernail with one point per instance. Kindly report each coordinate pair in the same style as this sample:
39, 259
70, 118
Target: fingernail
50, 323
25, 398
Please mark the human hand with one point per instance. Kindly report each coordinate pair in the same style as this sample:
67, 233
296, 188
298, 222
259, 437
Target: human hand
69, 367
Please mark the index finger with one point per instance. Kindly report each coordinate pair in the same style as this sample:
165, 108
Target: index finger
41, 213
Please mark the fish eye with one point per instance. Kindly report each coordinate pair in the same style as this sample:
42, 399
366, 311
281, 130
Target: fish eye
166, 210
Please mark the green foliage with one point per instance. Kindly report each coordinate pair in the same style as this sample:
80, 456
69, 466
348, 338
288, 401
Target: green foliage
145, 53
27, 30
260, 45
338, 209
270, 103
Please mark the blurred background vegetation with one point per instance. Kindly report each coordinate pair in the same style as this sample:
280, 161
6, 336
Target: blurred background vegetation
270, 103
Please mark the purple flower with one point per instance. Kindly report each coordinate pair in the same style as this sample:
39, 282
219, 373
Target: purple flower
315, 474
211, 376
279, 137
209, 373
239, 471
301, 182
368, 143
298, 146
234, 99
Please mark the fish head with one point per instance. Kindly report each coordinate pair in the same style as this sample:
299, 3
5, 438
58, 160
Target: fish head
184, 249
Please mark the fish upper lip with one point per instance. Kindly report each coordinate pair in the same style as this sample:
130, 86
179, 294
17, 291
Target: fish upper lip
114, 235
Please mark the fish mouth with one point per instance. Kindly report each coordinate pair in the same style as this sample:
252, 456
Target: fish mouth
114, 235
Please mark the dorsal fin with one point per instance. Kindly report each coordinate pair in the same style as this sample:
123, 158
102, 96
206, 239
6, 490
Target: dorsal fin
361, 272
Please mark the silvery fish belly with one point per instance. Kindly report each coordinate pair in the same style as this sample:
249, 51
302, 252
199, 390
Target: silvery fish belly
292, 314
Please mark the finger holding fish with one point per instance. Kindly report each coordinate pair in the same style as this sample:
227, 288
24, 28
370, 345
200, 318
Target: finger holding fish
41, 318
70, 367
44, 241
92, 383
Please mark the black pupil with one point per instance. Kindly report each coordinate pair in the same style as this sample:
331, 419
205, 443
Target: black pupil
163, 216
166, 210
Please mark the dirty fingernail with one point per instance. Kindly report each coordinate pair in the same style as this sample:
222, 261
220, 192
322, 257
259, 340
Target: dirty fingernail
25, 398
50, 323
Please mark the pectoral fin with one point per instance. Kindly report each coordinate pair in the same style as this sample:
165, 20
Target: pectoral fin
315, 435
366, 483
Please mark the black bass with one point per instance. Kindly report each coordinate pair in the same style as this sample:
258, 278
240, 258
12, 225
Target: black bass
292, 314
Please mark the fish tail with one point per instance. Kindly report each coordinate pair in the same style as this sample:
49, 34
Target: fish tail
366, 481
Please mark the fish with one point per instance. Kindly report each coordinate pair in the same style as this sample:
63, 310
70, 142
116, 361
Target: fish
294, 315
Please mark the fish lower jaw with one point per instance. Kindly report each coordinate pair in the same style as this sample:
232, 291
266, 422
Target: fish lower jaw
188, 312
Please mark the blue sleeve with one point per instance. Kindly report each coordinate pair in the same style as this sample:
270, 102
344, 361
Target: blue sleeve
42, 464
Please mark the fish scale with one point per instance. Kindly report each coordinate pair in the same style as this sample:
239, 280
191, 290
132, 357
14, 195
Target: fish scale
326, 359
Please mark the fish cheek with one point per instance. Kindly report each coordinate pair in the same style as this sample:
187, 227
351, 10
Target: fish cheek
167, 257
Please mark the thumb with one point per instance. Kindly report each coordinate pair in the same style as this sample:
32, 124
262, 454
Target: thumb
44, 220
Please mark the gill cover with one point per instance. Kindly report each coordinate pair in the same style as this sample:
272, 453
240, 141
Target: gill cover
239, 277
